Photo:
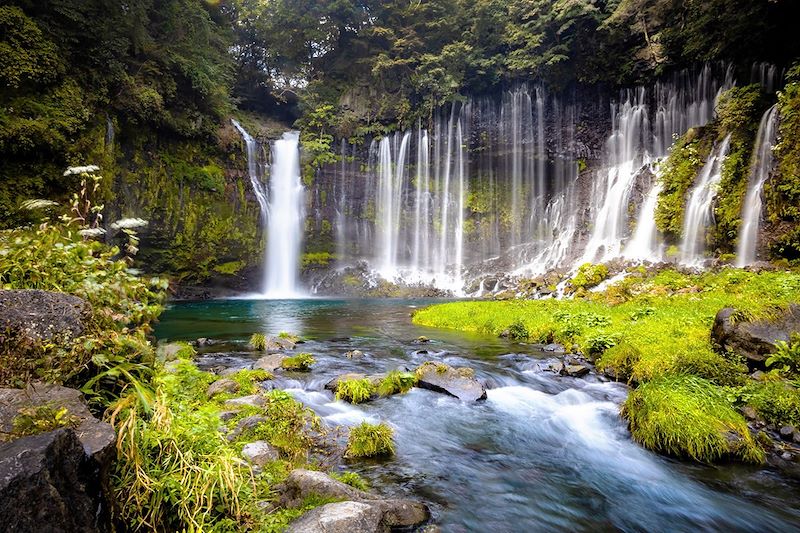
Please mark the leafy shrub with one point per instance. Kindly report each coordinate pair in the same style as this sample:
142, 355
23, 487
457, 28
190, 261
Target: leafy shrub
370, 440
687, 416
786, 358
397, 382
598, 343
589, 276
301, 362
777, 402
518, 331
354, 390
248, 380
258, 342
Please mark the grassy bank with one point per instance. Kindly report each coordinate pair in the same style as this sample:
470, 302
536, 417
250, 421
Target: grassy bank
651, 328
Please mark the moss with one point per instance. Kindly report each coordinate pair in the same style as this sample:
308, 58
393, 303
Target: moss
782, 191
777, 402
589, 275
687, 416
370, 440
248, 380
677, 173
354, 390
301, 362
352, 479
291, 337
41, 418
316, 259
619, 360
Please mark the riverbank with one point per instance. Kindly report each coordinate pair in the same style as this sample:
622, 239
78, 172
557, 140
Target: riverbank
654, 332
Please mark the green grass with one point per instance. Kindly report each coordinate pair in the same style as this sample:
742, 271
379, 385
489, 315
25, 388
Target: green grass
589, 276
687, 416
370, 440
248, 380
654, 330
291, 337
258, 342
300, 363
352, 479
354, 390
397, 382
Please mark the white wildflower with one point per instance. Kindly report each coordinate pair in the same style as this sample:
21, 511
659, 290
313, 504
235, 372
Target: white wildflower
129, 223
91, 232
88, 169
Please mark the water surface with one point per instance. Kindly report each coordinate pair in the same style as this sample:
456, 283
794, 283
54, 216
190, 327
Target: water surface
543, 453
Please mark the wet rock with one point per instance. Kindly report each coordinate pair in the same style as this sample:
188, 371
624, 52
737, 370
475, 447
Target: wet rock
755, 340
354, 354
786, 456
557, 367
796, 437
254, 400
575, 371
341, 517
245, 424
222, 386
458, 382
47, 483
391, 513
260, 453
554, 348
758, 375
787, 432
750, 413
270, 363
58, 480
272, 342
422, 340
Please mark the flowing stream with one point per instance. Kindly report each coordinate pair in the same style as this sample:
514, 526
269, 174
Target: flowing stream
542, 453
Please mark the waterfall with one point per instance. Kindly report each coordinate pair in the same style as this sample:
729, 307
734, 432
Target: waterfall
252, 171
109, 141
644, 245
699, 209
286, 219
760, 169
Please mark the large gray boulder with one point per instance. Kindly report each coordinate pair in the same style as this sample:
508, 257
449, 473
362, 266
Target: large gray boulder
40, 316
458, 382
58, 480
270, 363
755, 339
390, 513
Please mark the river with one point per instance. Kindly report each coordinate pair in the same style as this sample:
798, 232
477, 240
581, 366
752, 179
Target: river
542, 453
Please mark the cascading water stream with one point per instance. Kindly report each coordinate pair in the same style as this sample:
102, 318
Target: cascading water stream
759, 173
259, 189
644, 245
285, 221
699, 209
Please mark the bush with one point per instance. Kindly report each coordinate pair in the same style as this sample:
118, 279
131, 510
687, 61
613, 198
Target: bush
300, 363
518, 331
589, 276
352, 479
354, 390
687, 416
777, 402
397, 382
370, 440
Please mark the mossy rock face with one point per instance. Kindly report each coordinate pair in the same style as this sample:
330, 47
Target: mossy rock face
457, 382
755, 340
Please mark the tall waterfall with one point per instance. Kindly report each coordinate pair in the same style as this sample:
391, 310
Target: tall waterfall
286, 219
760, 171
699, 209
282, 212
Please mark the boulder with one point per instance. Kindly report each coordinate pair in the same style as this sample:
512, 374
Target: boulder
756, 339
575, 371
458, 382
354, 354
260, 453
341, 517
39, 316
391, 513
272, 342
245, 424
222, 386
57, 480
254, 400
270, 363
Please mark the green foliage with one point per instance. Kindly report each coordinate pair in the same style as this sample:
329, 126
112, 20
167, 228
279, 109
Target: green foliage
598, 343
777, 402
258, 342
41, 418
518, 331
589, 276
248, 380
677, 173
370, 440
291, 337
301, 362
352, 479
786, 358
397, 382
620, 360
316, 259
289, 425
317, 140
354, 390
782, 190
